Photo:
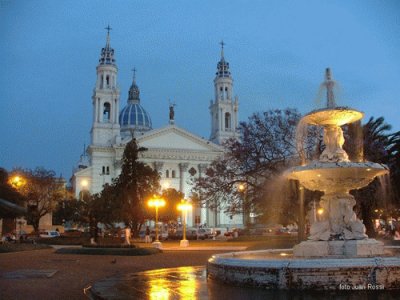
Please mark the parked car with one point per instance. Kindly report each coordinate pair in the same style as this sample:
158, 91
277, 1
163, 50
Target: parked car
204, 233
49, 234
72, 232
191, 234
162, 235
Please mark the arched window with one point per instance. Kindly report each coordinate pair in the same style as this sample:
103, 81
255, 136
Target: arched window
106, 112
101, 81
108, 170
173, 174
226, 93
108, 81
167, 173
103, 170
227, 120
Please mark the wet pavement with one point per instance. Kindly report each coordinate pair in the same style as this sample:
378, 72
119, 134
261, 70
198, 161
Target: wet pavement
189, 283
29, 273
177, 283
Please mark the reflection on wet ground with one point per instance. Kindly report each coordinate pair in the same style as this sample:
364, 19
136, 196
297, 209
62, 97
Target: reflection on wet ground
187, 283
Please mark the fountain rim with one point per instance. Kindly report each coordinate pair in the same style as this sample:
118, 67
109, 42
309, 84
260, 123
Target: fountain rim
233, 259
319, 165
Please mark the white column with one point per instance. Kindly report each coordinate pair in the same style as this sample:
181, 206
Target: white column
182, 169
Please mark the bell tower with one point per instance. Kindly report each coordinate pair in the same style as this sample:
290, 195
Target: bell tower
224, 107
106, 129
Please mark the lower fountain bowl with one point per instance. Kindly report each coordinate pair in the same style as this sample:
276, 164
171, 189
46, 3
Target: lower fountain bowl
278, 269
339, 176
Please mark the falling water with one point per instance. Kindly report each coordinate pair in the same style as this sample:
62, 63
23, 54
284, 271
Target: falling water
301, 134
384, 191
278, 196
329, 92
354, 143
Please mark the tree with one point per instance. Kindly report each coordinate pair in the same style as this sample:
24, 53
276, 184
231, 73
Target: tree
136, 183
172, 198
269, 144
43, 191
64, 209
381, 146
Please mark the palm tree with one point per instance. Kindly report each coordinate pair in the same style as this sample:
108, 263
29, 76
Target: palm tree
379, 146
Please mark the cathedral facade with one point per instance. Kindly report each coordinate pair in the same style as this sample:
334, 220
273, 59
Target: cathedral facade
178, 155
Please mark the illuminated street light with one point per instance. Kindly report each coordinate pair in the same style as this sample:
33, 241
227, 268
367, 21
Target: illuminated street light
184, 207
320, 211
248, 216
84, 184
84, 187
17, 181
156, 202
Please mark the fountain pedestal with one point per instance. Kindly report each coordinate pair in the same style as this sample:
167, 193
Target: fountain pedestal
344, 248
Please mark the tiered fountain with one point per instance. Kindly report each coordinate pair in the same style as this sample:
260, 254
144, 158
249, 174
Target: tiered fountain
338, 253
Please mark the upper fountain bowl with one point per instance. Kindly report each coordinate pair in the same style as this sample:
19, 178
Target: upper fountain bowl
337, 116
337, 177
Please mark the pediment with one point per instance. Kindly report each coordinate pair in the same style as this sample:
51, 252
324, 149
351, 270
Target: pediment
173, 137
83, 172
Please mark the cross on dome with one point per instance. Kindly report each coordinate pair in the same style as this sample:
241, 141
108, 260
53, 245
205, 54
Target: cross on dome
134, 73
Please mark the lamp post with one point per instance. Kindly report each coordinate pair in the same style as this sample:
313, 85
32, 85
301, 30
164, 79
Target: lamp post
246, 214
18, 182
184, 207
156, 203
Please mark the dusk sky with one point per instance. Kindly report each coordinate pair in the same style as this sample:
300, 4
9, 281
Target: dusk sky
277, 50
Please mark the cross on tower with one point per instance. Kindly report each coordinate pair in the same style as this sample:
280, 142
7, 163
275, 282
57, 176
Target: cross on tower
134, 73
108, 28
222, 48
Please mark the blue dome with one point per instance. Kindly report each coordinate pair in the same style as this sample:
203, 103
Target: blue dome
134, 116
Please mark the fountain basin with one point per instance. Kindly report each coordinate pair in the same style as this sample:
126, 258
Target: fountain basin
268, 269
336, 176
337, 116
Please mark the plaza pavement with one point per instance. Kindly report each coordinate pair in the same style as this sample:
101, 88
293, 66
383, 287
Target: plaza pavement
44, 274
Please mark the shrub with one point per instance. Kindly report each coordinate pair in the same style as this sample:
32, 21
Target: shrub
110, 251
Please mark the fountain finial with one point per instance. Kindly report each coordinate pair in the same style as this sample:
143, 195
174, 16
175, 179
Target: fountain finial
329, 83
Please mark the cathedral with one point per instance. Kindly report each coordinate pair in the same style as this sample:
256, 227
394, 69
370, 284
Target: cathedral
178, 155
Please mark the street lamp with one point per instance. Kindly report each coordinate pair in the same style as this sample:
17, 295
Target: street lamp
84, 188
84, 184
156, 202
184, 207
17, 181
243, 190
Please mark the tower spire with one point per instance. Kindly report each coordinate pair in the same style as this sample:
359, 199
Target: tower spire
108, 28
223, 66
222, 49
107, 53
